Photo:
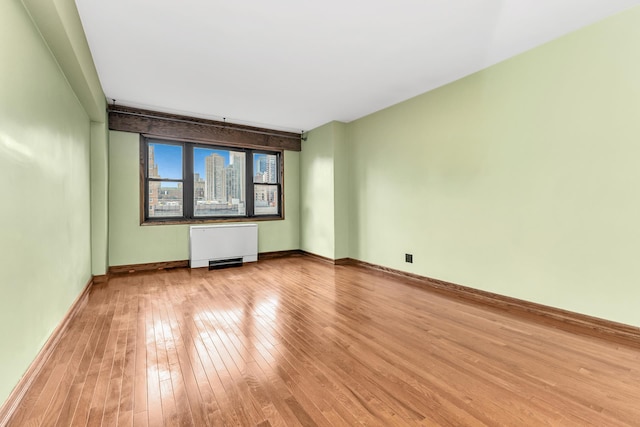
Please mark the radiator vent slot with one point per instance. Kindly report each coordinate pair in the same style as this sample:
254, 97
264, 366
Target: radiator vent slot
225, 263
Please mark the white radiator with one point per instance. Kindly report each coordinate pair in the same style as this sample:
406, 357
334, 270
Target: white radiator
220, 244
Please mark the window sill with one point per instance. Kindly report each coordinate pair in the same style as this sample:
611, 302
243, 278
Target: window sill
171, 221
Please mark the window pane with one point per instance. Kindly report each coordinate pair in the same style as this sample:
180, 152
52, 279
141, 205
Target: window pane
165, 199
165, 161
218, 182
265, 199
265, 168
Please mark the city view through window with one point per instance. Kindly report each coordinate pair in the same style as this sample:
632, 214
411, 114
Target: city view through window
219, 182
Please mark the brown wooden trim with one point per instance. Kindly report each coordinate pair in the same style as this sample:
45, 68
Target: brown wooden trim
562, 319
134, 268
10, 405
264, 256
166, 125
319, 257
100, 279
339, 261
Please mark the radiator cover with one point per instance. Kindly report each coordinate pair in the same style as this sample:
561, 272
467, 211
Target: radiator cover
219, 243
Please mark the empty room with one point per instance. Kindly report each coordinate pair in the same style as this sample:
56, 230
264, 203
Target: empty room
320, 213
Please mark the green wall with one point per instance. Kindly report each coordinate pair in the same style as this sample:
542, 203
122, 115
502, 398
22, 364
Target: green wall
317, 192
324, 193
341, 191
522, 179
324, 196
45, 137
99, 198
131, 243
59, 24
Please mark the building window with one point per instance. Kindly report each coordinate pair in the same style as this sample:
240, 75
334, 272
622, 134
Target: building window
191, 182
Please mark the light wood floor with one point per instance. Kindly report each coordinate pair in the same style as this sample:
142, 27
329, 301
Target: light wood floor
299, 342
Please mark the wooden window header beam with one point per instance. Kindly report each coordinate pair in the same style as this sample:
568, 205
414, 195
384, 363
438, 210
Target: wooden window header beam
153, 123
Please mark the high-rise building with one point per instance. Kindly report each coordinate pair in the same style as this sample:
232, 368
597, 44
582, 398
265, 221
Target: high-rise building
272, 169
153, 167
233, 186
153, 186
198, 187
215, 178
259, 168
261, 164
236, 176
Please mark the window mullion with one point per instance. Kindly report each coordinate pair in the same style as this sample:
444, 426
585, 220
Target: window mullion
144, 155
187, 194
249, 181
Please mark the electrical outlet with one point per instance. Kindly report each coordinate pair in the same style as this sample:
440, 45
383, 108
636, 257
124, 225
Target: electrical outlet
408, 258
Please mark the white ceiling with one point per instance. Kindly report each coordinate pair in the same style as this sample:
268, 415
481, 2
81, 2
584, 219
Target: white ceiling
297, 64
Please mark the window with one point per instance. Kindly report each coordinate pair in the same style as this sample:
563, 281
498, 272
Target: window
265, 183
191, 182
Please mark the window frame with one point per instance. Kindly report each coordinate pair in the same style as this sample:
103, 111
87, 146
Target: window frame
148, 180
188, 196
277, 184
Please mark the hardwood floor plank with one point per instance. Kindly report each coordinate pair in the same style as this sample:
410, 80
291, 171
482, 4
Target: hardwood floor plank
114, 390
140, 419
185, 379
348, 392
73, 398
89, 379
265, 338
296, 341
58, 403
202, 400
97, 407
180, 394
214, 371
154, 403
273, 403
140, 364
231, 377
126, 398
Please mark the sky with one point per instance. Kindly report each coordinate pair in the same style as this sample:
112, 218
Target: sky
165, 157
200, 153
168, 158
